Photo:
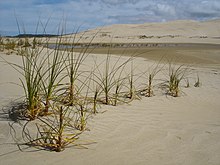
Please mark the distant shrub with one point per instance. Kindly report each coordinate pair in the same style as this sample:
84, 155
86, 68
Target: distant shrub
26, 43
10, 45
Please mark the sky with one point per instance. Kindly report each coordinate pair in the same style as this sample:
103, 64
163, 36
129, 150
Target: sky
40, 16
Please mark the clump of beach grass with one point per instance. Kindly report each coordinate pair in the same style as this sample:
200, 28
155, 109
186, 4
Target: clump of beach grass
51, 76
10, 44
197, 83
1, 43
131, 87
40, 71
31, 79
96, 95
82, 105
73, 64
81, 118
176, 75
152, 72
109, 78
53, 133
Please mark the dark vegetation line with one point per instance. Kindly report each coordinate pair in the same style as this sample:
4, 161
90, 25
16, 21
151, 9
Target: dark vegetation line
128, 45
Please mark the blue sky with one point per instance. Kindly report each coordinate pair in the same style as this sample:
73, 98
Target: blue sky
92, 13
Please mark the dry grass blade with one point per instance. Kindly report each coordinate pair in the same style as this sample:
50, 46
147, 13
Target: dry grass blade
53, 134
110, 77
73, 65
197, 83
51, 75
30, 70
176, 75
151, 73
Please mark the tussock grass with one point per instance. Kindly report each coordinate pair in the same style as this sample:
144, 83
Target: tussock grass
151, 74
96, 95
30, 71
31, 85
10, 44
81, 115
82, 106
109, 78
131, 87
53, 133
1, 43
176, 75
197, 83
73, 64
51, 76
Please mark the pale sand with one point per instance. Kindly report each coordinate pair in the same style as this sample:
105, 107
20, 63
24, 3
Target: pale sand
157, 130
153, 131
184, 31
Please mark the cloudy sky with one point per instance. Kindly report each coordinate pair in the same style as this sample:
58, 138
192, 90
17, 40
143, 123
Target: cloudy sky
92, 13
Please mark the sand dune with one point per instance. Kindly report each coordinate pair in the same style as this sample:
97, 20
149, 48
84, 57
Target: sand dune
183, 31
158, 130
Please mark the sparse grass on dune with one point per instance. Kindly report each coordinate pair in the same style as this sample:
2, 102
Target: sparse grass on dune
54, 132
151, 74
73, 65
131, 87
54, 66
30, 71
176, 75
60, 94
31, 84
197, 83
110, 78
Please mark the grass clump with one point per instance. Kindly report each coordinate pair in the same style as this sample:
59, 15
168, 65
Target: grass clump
53, 133
109, 78
1, 43
152, 72
197, 83
73, 63
176, 75
51, 75
81, 119
10, 45
31, 82
95, 98
131, 94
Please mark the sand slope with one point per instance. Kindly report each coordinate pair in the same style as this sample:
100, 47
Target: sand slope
153, 131
182, 31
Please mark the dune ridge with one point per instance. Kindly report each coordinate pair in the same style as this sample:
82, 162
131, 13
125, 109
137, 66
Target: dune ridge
181, 31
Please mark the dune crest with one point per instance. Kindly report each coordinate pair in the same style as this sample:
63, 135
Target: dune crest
182, 31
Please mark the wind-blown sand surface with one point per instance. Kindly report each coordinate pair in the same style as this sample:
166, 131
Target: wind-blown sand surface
156, 130
182, 31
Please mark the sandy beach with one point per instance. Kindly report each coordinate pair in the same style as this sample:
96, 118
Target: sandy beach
156, 130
